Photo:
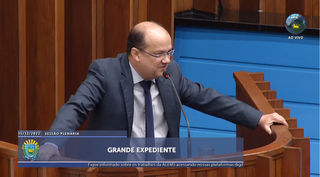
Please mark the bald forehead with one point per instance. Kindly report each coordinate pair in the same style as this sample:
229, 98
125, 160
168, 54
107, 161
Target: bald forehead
153, 33
144, 26
151, 28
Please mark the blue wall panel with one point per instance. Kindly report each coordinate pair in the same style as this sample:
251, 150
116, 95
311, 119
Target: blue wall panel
199, 132
265, 48
210, 56
303, 83
201, 120
308, 117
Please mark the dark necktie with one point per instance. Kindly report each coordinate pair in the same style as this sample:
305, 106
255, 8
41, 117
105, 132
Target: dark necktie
148, 109
149, 119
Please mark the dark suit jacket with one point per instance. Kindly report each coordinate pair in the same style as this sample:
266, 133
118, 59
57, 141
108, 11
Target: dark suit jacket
107, 93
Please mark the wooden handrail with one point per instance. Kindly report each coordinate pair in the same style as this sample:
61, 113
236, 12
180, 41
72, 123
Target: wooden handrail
248, 86
287, 144
282, 136
8, 149
8, 159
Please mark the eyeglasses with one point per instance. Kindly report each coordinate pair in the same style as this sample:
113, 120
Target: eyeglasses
161, 55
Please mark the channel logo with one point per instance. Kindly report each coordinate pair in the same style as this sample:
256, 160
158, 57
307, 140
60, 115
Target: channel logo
295, 24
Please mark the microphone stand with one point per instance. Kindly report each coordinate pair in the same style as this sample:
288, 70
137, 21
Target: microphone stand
189, 145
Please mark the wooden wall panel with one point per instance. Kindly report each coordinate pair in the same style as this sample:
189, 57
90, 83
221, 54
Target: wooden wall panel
201, 174
303, 7
286, 8
188, 4
100, 29
5, 169
278, 167
308, 13
232, 4
315, 13
233, 15
246, 7
265, 166
93, 29
262, 5
251, 171
295, 6
162, 12
78, 43
249, 5
142, 9
315, 5
308, 8
178, 5
292, 160
22, 67
135, 14
182, 5
59, 53
269, 17
117, 26
280, 19
229, 172
36, 29
47, 172
9, 71
280, 6
241, 171
270, 6
304, 144
205, 5
212, 173
40, 57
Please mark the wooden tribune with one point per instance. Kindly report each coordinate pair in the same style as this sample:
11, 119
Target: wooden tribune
285, 153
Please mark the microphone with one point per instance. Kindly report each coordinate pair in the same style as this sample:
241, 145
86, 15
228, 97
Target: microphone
167, 76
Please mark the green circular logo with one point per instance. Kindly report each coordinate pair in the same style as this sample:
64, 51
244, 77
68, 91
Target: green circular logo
295, 24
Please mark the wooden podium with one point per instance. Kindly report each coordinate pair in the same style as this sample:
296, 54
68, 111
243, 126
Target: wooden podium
285, 153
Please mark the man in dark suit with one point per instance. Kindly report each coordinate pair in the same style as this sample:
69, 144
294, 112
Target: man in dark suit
114, 92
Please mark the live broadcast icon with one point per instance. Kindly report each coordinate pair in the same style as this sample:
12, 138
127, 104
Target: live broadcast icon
295, 24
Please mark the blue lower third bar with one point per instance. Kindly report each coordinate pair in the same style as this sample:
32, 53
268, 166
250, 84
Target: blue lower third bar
206, 164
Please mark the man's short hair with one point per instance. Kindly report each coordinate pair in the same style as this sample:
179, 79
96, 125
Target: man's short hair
136, 38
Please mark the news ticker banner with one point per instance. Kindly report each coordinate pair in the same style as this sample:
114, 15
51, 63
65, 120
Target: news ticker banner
114, 149
111, 164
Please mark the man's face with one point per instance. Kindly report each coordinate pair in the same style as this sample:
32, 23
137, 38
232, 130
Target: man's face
157, 43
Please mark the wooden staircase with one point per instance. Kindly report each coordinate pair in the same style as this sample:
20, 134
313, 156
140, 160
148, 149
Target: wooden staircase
298, 150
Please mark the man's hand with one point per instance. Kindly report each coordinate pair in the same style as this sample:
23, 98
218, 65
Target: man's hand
47, 151
268, 119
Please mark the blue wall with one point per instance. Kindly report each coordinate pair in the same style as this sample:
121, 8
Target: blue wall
210, 56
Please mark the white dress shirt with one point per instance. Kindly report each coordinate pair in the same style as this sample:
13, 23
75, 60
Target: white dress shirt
139, 116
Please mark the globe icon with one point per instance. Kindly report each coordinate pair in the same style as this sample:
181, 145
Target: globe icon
295, 24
